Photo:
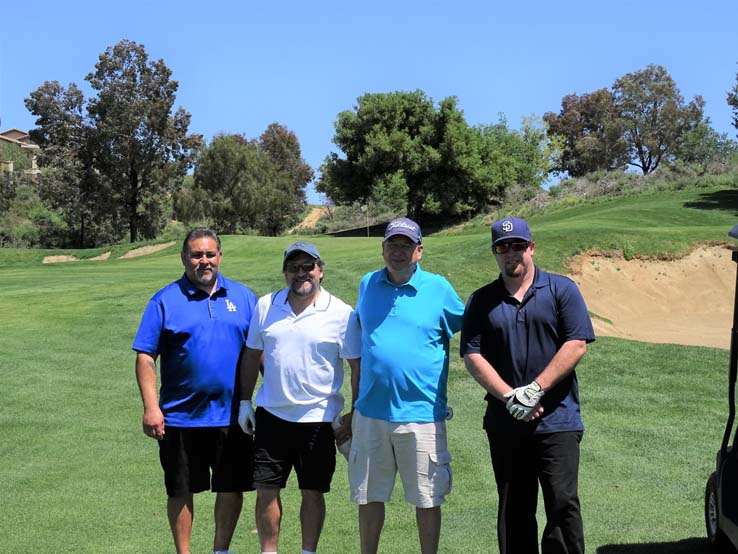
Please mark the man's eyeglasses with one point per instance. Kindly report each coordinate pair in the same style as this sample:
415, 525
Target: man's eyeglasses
504, 247
307, 267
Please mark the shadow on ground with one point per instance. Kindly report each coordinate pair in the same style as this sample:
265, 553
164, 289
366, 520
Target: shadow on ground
726, 200
686, 546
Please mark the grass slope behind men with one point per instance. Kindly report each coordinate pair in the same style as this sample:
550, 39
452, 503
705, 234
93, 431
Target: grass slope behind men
523, 335
197, 327
303, 333
407, 317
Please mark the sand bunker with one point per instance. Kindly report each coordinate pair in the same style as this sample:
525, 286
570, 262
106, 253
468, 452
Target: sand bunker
146, 250
59, 259
685, 301
104, 256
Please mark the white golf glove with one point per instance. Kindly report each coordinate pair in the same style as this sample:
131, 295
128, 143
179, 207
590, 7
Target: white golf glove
246, 417
522, 400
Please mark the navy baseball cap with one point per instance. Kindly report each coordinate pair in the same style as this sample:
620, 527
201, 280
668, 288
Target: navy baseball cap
510, 228
307, 247
406, 227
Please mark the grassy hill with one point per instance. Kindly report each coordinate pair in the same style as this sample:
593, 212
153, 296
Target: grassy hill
79, 476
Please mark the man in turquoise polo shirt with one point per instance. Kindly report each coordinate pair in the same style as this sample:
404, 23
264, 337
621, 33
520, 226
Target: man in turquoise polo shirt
407, 318
196, 327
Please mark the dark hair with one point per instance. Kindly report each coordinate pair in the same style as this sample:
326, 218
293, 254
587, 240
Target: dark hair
198, 233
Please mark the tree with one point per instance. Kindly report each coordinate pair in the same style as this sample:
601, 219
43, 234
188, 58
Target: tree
592, 133
111, 161
70, 182
733, 102
654, 115
702, 146
242, 189
143, 149
400, 151
283, 148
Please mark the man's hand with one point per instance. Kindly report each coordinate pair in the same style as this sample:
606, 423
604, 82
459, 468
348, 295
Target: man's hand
153, 423
342, 431
246, 417
522, 400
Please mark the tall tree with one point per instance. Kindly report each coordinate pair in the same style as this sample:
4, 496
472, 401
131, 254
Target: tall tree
733, 102
283, 148
143, 148
70, 182
655, 117
112, 160
592, 133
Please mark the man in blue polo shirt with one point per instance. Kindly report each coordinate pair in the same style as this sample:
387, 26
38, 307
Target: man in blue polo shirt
523, 335
407, 318
197, 327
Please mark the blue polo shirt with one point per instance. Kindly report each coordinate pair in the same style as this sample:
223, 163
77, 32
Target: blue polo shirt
405, 332
198, 339
519, 339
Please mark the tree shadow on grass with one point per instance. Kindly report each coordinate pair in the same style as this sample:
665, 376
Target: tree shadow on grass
725, 200
686, 546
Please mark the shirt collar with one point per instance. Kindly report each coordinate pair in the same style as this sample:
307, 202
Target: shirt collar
279, 299
414, 281
191, 289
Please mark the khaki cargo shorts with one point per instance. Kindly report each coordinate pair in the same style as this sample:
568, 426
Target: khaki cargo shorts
419, 451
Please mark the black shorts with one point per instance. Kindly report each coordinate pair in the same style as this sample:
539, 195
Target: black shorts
189, 454
280, 445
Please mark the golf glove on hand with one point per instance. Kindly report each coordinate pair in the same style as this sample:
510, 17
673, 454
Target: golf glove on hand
522, 400
246, 417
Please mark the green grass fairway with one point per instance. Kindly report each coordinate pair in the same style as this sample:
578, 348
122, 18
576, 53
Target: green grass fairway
79, 476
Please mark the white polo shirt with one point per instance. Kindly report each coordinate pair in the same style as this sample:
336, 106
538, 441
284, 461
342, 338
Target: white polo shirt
303, 367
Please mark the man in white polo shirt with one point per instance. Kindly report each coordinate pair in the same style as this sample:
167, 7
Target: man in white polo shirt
303, 333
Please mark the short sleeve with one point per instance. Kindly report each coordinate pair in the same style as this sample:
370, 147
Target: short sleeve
254, 339
351, 347
150, 328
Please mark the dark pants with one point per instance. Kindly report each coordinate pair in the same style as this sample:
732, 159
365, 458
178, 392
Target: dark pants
520, 463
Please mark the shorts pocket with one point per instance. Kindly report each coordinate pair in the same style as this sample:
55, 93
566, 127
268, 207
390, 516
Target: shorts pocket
440, 478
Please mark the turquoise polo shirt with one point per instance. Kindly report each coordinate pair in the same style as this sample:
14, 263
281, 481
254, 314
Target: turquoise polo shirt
405, 333
198, 339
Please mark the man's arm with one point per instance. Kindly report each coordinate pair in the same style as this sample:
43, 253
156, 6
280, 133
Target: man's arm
562, 364
486, 375
153, 418
249, 372
344, 432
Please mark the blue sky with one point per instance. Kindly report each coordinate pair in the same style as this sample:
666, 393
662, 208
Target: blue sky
242, 65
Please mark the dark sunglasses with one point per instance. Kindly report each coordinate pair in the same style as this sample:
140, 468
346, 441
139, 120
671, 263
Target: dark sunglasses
307, 267
503, 247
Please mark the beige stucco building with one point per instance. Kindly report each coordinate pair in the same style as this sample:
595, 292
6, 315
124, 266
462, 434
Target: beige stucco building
23, 140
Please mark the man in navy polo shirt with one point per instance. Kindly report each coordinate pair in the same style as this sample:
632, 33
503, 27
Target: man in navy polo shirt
197, 327
407, 318
522, 337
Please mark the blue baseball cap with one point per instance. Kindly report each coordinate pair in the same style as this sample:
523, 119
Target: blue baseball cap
406, 227
307, 247
510, 228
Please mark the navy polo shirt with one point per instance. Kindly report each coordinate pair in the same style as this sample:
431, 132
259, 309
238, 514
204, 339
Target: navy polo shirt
198, 339
519, 339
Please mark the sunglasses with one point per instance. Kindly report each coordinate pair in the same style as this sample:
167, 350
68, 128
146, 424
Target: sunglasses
503, 247
307, 267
